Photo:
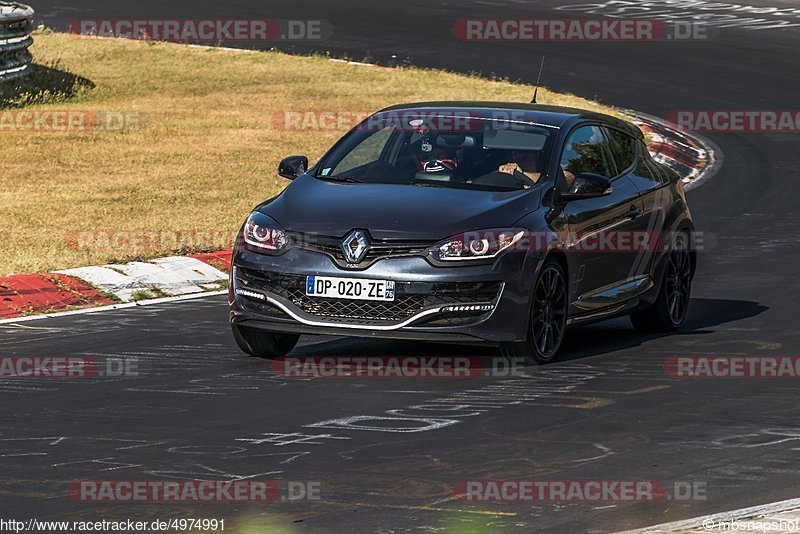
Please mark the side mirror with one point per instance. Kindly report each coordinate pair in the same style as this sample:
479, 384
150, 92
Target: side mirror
293, 166
587, 185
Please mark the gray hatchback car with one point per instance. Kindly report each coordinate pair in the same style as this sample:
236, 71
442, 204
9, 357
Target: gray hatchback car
476, 222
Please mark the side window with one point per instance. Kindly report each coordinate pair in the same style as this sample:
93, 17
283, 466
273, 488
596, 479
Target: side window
586, 150
623, 147
368, 151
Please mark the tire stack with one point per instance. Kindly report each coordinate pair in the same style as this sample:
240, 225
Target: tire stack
16, 24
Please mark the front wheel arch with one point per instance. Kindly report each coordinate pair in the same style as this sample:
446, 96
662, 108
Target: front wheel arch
528, 350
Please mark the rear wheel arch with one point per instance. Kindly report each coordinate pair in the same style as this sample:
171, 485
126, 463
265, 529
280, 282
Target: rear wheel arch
673, 286
677, 221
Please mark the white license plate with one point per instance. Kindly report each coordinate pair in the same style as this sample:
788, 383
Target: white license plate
349, 288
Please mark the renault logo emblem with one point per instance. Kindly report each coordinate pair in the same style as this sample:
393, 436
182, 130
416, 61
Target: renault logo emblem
355, 246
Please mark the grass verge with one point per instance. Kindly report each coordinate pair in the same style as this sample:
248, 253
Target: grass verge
199, 148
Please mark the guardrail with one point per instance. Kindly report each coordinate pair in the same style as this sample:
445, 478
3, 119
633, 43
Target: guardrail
16, 23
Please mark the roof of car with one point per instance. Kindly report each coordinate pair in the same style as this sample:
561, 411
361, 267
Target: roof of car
556, 116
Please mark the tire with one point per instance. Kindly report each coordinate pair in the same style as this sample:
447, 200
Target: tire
548, 318
669, 310
263, 344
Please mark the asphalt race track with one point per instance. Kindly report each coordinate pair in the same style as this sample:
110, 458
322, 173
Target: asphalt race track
607, 410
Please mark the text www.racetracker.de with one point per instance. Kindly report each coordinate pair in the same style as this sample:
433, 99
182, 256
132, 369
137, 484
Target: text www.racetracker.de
122, 525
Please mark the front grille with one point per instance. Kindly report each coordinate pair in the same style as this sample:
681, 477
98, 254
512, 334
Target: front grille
378, 249
410, 297
401, 308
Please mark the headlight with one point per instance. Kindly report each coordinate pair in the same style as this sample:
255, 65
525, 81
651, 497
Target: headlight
477, 245
262, 234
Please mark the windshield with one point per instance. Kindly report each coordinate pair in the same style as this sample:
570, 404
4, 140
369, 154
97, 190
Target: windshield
441, 151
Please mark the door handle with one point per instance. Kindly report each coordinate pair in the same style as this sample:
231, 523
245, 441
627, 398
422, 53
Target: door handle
633, 212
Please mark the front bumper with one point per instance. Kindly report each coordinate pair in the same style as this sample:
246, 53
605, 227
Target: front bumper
469, 303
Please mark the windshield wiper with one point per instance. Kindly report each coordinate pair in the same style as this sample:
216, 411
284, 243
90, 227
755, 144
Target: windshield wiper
429, 184
345, 179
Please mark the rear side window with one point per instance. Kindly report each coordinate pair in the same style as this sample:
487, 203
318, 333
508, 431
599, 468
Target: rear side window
586, 150
623, 147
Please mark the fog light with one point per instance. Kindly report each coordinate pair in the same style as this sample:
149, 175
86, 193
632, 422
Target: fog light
250, 294
467, 307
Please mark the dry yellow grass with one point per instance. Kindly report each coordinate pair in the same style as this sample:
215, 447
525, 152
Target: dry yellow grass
208, 153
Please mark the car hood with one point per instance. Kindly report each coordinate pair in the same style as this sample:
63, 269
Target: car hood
391, 211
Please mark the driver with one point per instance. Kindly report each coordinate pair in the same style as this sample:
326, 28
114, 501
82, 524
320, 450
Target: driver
524, 164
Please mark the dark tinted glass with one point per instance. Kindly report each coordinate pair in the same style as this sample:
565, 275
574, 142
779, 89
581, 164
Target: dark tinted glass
623, 147
478, 153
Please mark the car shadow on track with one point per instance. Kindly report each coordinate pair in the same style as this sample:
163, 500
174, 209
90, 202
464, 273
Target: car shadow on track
618, 334
581, 342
